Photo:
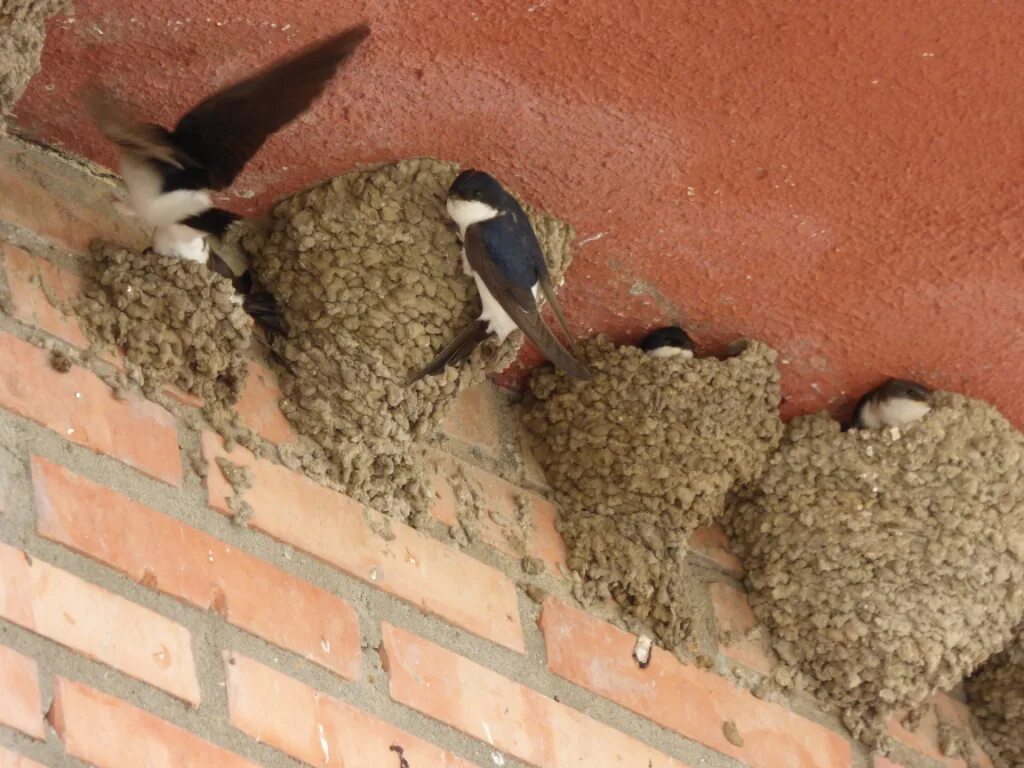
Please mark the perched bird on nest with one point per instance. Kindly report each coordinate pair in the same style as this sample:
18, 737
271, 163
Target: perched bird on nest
169, 173
671, 341
896, 403
501, 253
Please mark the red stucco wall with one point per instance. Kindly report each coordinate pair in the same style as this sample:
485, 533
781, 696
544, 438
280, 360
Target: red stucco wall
841, 180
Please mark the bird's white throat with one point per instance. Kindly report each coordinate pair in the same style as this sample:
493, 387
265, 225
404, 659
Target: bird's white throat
893, 412
465, 213
670, 352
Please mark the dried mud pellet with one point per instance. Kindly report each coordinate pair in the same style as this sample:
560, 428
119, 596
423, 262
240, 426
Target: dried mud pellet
882, 563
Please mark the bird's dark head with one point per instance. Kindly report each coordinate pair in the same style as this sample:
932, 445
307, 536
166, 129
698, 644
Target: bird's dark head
668, 342
903, 389
475, 196
479, 186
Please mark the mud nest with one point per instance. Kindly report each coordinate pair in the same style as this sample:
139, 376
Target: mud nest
175, 321
996, 695
369, 276
22, 29
886, 564
642, 456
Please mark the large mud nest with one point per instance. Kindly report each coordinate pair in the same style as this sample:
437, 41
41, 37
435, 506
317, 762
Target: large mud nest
22, 29
888, 565
644, 454
175, 321
370, 279
996, 694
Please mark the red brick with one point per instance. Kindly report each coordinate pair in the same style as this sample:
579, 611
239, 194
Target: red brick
47, 195
499, 526
711, 543
508, 716
691, 701
168, 555
925, 739
333, 527
26, 275
109, 733
33, 281
956, 712
258, 405
81, 408
11, 760
97, 624
182, 397
315, 728
734, 617
474, 419
20, 702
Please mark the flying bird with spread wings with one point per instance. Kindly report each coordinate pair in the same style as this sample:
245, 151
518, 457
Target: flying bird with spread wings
169, 173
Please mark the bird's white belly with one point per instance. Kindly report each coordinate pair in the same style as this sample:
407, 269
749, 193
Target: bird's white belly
156, 209
182, 242
497, 319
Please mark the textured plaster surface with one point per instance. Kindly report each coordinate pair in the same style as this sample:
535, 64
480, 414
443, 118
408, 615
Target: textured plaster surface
841, 182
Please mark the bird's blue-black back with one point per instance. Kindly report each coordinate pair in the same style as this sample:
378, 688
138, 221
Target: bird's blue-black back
509, 238
512, 244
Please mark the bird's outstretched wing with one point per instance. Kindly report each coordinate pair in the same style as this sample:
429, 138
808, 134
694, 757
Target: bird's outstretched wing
519, 303
226, 129
118, 122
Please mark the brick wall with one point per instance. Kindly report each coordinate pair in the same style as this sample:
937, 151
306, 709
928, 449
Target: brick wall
139, 626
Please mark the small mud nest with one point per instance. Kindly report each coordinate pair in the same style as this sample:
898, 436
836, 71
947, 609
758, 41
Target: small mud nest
886, 564
642, 456
175, 321
369, 276
996, 695
22, 29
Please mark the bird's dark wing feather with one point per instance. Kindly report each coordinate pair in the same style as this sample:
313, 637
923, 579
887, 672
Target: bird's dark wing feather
549, 293
518, 301
263, 308
117, 121
458, 350
225, 130
527, 257
213, 221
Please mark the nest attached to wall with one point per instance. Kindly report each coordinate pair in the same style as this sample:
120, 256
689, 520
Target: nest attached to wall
888, 564
175, 321
22, 30
369, 276
996, 695
643, 455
